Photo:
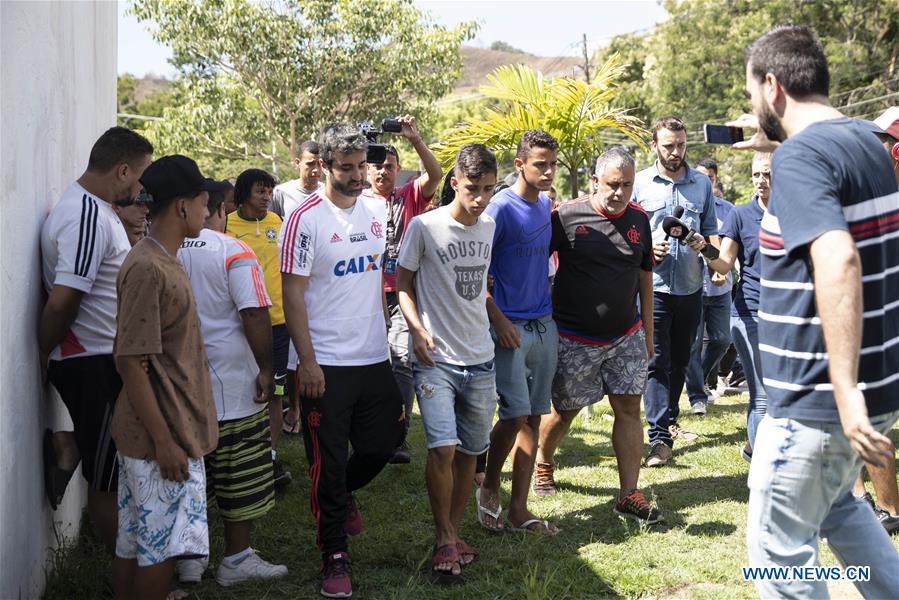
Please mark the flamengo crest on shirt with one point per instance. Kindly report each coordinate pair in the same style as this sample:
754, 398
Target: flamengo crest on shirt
633, 236
359, 264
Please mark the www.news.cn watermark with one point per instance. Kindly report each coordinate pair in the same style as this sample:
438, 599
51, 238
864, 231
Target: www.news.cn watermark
851, 573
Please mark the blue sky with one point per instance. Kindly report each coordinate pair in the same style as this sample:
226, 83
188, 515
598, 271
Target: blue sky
542, 27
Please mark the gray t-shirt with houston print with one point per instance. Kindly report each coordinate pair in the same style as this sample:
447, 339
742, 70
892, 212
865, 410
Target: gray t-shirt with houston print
451, 261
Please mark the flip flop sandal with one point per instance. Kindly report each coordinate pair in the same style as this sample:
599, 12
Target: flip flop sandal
484, 511
526, 527
446, 554
466, 551
55, 478
291, 427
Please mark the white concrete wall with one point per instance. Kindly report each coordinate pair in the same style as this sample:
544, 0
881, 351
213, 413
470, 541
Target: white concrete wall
57, 95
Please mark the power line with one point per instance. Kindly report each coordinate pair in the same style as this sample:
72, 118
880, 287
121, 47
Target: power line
869, 101
867, 87
138, 117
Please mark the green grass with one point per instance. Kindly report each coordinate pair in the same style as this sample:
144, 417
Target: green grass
696, 553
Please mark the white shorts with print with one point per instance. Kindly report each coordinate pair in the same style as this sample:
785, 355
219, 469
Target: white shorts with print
161, 519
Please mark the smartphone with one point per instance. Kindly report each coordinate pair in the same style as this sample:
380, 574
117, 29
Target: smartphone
721, 134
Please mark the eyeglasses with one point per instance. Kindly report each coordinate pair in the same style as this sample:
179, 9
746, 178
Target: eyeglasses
142, 198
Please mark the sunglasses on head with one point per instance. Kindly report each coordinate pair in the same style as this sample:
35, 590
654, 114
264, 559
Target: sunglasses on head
142, 198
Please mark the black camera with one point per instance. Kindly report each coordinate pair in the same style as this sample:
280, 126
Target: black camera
377, 153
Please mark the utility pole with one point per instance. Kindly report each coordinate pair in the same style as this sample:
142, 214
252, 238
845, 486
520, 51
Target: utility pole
586, 59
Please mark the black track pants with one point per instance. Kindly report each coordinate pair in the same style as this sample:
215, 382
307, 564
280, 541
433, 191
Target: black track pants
361, 406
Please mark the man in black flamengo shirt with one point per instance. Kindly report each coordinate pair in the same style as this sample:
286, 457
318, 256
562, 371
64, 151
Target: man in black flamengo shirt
604, 244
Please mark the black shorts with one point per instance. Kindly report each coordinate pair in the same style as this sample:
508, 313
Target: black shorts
280, 346
89, 387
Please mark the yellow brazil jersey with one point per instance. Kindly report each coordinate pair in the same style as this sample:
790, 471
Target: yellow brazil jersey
262, 236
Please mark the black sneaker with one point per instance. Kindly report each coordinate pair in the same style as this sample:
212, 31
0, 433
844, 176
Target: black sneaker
282, 476
401, 455
634, 506
868, 499
889, 522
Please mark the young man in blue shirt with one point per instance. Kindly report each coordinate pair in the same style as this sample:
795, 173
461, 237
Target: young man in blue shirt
520, 312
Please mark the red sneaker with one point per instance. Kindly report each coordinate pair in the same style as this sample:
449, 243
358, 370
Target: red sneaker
354, 524
336, 576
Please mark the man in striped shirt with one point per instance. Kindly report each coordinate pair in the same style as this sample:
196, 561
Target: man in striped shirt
827, 322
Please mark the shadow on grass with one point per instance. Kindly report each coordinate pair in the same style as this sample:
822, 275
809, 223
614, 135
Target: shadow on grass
710, 529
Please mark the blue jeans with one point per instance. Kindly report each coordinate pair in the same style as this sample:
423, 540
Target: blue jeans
457, 404
715, 319
745, 332
524, 375
800, 486
675, 320
399, 342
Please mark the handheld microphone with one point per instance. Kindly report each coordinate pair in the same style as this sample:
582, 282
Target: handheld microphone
674, 227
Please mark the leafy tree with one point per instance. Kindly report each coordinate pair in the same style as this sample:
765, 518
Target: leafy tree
257, 77
692, 64
574, 112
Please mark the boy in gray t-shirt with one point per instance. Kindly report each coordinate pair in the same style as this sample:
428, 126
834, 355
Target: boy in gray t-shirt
442, 290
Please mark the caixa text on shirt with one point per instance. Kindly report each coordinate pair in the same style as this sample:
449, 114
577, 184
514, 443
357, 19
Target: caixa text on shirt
358, 264
457, 250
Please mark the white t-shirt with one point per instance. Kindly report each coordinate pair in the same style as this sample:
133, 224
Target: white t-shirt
226, 278
288, 196
451, 261
341, 253
83, 245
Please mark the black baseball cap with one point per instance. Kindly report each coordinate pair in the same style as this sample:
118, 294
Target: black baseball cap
176, 176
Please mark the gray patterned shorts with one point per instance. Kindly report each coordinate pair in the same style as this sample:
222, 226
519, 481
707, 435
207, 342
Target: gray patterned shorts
587, 372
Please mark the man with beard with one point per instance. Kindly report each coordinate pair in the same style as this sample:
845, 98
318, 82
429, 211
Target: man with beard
83, 245
827, 323
402, 204
331, 250
677, 278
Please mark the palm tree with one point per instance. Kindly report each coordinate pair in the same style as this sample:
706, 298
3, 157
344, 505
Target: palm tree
573, 111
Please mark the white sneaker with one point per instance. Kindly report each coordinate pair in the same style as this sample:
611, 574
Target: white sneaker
190, 570
711, 395
722, 386
252, 567
698, 408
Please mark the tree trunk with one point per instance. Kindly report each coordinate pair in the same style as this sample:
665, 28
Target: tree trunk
293, 138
